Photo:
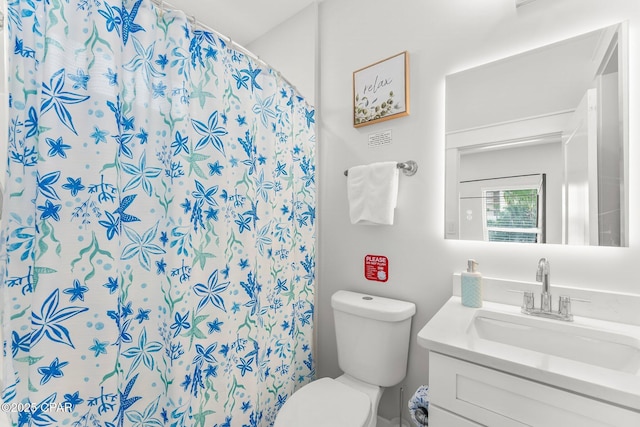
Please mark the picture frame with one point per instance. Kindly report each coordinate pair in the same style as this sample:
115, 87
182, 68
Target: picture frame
381, 91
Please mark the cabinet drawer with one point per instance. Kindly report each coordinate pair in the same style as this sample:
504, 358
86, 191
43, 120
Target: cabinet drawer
499, 399
439, 417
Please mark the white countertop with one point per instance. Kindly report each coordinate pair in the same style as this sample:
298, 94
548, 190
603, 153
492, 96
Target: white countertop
448, 333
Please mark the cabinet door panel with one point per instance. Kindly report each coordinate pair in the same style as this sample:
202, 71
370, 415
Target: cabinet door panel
499, 399
439, 417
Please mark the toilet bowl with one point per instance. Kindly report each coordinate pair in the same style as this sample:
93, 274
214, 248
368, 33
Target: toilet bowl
372, 335
329, 402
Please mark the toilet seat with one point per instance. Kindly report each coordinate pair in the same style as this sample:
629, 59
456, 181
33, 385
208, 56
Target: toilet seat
325, 403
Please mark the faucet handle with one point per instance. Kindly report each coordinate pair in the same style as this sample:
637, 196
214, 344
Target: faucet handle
564, 306
528, 301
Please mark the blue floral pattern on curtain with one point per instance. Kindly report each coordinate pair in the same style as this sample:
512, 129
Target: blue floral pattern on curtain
159, 223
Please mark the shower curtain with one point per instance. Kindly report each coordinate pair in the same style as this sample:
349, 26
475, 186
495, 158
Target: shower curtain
158, 223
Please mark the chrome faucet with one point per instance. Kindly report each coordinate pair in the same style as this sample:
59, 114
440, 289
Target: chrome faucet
542, 275
546, 310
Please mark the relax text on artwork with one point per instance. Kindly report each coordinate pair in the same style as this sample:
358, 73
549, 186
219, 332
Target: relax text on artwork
377, 84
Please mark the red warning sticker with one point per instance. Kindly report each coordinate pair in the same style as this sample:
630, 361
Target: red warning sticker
376, 267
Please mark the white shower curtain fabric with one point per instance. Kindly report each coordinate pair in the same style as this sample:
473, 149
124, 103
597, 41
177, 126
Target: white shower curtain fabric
158, 223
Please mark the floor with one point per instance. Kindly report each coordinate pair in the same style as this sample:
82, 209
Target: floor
393, 423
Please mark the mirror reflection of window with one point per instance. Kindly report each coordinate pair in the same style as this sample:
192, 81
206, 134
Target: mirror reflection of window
504, 209
512, 215
523, 114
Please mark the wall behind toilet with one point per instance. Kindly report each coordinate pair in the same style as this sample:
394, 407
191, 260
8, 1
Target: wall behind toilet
441, 37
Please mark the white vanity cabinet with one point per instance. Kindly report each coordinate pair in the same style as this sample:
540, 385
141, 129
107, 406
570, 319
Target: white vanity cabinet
461, 391
442, 417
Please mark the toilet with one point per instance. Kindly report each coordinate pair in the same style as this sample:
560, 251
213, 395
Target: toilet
372, 337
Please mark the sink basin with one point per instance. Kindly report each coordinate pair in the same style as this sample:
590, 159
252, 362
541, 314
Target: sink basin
597, 357
607, 349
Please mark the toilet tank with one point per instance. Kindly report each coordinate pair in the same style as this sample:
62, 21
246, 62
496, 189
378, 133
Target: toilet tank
372, 335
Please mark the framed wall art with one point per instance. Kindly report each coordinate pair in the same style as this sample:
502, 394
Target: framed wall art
381, 91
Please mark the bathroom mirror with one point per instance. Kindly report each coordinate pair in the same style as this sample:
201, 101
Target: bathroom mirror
536, 145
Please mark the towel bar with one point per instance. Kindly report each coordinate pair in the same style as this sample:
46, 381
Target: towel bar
409, 168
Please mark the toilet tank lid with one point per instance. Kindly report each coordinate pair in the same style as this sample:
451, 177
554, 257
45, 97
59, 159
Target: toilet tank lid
372, 307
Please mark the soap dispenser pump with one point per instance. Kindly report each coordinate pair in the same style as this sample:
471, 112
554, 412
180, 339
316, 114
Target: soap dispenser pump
471, 285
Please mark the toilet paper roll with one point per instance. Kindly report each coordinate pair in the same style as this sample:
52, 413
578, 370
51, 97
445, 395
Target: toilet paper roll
419, 406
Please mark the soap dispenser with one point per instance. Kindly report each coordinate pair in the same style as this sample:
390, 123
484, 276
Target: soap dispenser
471, 285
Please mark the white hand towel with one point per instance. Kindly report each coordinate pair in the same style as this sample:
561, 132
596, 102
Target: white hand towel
373, 193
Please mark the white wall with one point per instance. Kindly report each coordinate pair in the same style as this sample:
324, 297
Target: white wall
442, 37
290, 48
